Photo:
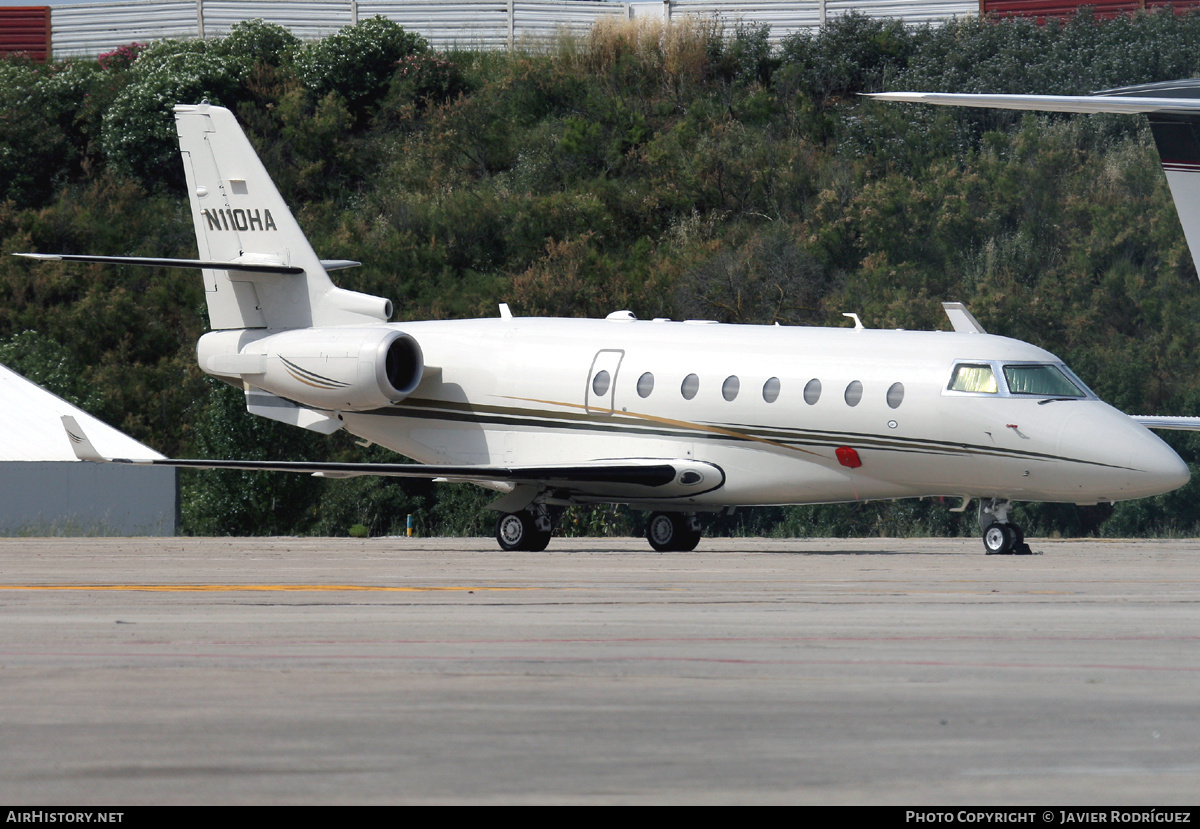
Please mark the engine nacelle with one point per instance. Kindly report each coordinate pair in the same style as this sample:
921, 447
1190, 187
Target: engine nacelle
342, 369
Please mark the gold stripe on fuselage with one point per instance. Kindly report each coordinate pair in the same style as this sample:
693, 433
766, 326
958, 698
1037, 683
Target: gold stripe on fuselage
450, 410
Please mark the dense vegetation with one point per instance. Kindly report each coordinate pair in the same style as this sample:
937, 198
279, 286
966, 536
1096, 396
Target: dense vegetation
682, 172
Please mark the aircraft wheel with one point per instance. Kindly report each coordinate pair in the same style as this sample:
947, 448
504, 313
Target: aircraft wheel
669, 532
538, 541
1019, 548
999, 539
512, 529
661, 530
517, 531
688, 540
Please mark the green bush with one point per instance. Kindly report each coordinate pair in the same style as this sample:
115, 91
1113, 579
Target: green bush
853, 53
48, 118
256, 41
138, 133
426, 78
358, 61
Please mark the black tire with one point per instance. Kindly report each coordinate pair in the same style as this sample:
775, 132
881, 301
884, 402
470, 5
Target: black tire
1020, 548
688, 539
999, 539
513, 530
538, 540
517, 531
661, 531
668, 532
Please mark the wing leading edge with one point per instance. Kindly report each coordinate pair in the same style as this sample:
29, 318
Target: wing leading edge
1182, 424
1127, 104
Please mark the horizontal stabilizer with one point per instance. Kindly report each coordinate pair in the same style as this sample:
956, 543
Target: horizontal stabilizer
1184, 424
152, 262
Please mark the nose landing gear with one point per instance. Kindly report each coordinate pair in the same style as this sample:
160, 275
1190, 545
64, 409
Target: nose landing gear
1000, 537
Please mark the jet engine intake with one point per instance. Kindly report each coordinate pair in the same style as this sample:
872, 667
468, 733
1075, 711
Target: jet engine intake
341, 369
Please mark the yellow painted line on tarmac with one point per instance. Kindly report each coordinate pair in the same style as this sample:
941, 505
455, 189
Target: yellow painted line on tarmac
273, 588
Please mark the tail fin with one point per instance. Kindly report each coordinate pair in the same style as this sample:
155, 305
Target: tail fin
1174, 111
240, 217
1177, 137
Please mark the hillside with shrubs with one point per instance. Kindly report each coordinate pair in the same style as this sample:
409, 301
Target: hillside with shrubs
684, 171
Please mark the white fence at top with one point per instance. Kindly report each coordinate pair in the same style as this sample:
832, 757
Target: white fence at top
89, 30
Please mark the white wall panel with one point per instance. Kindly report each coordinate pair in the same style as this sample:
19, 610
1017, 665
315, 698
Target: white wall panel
89, 30
307, 19
75, 498
470, 24
93, 29
784, 18
910, 11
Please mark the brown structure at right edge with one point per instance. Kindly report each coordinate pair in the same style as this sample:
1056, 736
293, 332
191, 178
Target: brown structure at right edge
25, 30
1047, 9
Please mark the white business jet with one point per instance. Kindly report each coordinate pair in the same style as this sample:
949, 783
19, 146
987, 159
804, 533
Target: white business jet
675, 418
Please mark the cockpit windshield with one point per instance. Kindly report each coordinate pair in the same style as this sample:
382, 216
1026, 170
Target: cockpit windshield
1053, 381
1044, 379
978, 378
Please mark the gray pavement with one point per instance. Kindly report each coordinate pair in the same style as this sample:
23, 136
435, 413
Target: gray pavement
903, 671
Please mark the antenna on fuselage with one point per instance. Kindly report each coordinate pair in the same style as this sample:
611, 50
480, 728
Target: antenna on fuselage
858, 326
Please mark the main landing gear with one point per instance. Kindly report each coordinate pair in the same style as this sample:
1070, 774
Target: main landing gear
673, 532
530, 529
1000, 537
527, 531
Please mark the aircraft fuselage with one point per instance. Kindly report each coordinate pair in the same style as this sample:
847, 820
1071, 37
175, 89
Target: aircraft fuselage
770, 406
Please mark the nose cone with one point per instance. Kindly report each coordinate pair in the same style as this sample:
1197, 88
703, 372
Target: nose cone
1126, 459
1162, 470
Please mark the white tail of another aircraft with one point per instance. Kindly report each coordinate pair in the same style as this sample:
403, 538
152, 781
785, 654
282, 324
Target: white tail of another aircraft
1172, 106
241, 218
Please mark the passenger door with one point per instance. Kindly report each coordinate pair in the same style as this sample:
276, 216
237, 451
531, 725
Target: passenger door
599, 395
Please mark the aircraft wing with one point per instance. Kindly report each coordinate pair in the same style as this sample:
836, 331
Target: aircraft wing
1125, 103
1186, 424
634, 478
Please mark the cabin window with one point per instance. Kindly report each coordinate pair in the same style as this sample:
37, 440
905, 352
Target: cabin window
812, 391
974, 378
645, 385
853, 393
691, 385
1044, 380
731, 387
600, 383
771, 390
895, 395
